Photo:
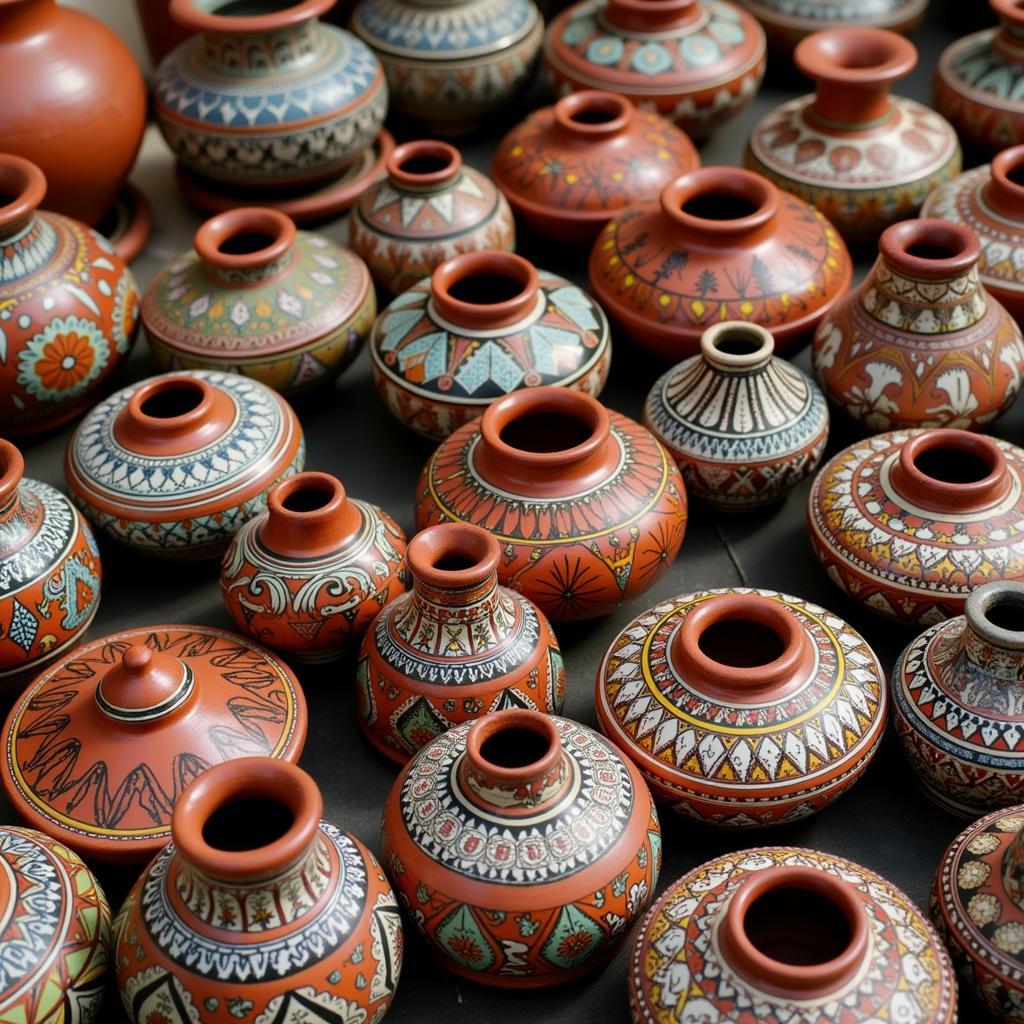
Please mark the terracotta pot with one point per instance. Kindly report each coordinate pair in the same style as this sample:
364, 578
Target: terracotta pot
862, 156
132, 718
779, 934
71, 307
456, 647
588, 507
430, 208
481, 326
297, 914
161, 32
288, 308
908, 523
496, 902
697, 62
452, 64
566, 169
921, 343
308, 575
744, 426
720, 244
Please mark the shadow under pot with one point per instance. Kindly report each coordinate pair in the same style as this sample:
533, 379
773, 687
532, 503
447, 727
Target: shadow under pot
777, 934
588, 507
909, 522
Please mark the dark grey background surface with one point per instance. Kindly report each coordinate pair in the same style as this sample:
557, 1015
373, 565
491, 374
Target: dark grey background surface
884, 823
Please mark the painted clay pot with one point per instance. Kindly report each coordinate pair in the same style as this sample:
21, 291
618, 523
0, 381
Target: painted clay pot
744, 426
67, 71
550, 848
288, 308
921, 343
862, 156
70, 307
452, 64
296, 913
455, 647
482, 326
49, 572
430, 208
696, 62
778, 934
308, 575
588, 507
908, 523
567, 168
173, 465
720, 244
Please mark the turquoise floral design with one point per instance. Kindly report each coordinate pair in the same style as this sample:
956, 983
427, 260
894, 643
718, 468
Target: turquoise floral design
605, 50
700, 50
652, 59
126, 313
61, 361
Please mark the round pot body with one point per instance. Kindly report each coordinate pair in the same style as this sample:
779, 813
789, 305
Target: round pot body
173, 465
909, 522
776, 934
696, 62
288, 308
720, 244
587, 505
480, 327
466, 809
744, 426
430, 208
301, 922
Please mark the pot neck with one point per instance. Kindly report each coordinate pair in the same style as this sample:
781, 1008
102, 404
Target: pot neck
144, 687
454, 569
589, 116
12, 471
1003, 190
737, 347
651, 16
22, 17
1013, 870
1009, 40
247, 247
485, 290
994, 637
309, 515
424, 166
22, 190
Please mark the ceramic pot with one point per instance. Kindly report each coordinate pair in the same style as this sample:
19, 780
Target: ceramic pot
297, 914
744, 426
173, 465
588, 507
161, 32
921, 343
308, 575
696, 62
430, 208
496, 902
482, 326
566, 169
778, 934
273, 98
455, 647
862, 156
908, 523
720, 244
452, 64
288, 308
71, 308
131, 719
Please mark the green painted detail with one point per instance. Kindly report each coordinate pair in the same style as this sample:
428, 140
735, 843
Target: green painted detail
573, 940
419, 724
464, 941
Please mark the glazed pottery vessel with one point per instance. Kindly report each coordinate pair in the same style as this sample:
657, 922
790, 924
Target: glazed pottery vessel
456, 647
778, 934
452, 64
908, 523
49, 572
567, 168
587, 505
288, 308
74, 104
308, 575
430, 208
745, 426
258, 911
696, 62
720, 244
100, 748
862, 156
921, 343
481, 326
274, 97
69, 308
174, 464
523, 846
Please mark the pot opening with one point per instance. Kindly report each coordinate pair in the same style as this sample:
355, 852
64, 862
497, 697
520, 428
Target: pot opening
245, 242
546, 432
738, 341
1006, 612
597, 111
307, 499
1016, 173
455, 561
247, 823
741, 643
951, 465
798, 927
425, 163
859, 53
720, 206
515, 746
486, 289
935, 250
7, 197
252, 8
173, 401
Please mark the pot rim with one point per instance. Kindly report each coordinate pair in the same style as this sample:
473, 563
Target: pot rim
726, 182
463, 541
12, 470
828, 55
959, 242
489, 262
212, 235
983, 599
419, 149
619, 109
191, 14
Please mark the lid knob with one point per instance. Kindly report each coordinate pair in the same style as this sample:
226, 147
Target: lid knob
144, 685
